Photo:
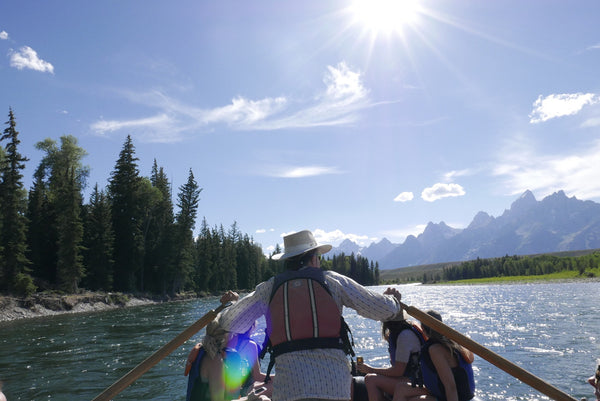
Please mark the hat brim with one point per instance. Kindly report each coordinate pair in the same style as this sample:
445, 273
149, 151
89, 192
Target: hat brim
321, 248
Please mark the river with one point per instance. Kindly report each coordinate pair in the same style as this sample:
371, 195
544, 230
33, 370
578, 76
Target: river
549, 329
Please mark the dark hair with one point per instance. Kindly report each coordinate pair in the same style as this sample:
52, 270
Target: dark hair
452, 346
298, 262
390, 326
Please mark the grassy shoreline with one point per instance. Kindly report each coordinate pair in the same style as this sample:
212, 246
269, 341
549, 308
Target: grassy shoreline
567, 275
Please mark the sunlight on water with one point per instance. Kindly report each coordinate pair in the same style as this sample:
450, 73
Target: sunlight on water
551, 330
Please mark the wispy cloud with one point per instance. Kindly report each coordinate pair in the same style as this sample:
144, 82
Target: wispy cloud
577, 173
26, 57
404, 197
104, 126
3, 35
343, 97
304, 171
560, 105
451, 175
440, 190
399, 235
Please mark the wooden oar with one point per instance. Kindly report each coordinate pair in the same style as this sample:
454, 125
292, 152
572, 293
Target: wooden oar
153, 359
489, 355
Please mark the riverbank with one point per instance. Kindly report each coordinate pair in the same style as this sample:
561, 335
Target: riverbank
49, 304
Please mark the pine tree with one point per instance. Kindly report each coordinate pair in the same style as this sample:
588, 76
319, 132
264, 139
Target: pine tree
124, 194
188, 198
42, 237
99, 242
159, 242
14, 271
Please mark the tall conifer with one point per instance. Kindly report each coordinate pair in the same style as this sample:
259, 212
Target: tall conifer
15, 265
123, 190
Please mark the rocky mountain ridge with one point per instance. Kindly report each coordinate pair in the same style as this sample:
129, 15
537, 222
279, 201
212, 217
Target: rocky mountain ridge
556, 223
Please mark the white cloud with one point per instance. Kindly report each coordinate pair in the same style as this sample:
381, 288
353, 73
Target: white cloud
335, 237
26, 57
261, 231
305, 171
439, 191
3, 35
243, 112
338, 104
404, 197
560, 105
578, 173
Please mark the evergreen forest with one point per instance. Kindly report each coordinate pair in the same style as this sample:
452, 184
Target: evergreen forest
585, 266
129, 237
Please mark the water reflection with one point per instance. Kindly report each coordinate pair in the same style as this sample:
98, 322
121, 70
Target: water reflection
551, 330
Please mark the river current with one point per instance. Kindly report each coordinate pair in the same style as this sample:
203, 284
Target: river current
551, 330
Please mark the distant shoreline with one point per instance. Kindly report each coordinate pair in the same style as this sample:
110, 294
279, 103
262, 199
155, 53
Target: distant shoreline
44, 304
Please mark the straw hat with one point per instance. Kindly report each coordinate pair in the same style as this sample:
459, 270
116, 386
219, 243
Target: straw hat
299, 243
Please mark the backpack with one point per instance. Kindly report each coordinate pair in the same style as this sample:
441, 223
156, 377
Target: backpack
303, 315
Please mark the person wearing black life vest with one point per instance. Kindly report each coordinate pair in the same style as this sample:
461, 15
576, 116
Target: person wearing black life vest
307, 337
405, 340
446, 368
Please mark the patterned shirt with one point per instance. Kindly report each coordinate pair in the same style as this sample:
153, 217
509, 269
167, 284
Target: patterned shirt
318, 373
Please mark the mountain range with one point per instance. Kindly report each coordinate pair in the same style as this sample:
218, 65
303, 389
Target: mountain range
556, 223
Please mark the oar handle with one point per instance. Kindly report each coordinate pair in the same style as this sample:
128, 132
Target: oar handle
489, 355
153, 359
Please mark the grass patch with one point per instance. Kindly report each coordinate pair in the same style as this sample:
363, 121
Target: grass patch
563, 275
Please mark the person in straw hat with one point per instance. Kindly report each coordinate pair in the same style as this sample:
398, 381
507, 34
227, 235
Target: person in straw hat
311, 364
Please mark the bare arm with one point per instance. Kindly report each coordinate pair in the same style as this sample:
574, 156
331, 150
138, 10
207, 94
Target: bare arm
216, 386
396, 370
440, 358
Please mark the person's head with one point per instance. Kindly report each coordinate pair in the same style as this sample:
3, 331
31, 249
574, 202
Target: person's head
393, 325
428, 330
301, 249
215, 339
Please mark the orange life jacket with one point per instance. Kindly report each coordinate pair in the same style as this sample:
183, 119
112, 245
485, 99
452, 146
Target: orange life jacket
303, 315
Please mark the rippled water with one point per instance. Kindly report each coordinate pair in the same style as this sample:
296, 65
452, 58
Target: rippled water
551, 330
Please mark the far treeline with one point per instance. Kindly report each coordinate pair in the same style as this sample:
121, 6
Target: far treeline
128, 238
586, 265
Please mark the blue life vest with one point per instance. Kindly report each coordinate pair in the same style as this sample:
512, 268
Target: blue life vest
463, 376
197, 390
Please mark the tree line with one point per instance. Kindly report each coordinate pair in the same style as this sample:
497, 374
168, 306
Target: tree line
511, 266
129, 237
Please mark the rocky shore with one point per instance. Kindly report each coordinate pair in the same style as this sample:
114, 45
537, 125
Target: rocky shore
45, 304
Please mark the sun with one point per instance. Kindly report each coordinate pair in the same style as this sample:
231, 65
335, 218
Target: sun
385, 15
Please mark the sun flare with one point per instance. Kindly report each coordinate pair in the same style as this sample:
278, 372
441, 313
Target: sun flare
385, 15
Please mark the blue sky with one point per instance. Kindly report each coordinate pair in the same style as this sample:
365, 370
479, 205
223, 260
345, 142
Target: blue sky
358, 121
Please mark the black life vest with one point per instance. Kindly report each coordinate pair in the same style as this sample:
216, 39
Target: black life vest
413, 366
303, 315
